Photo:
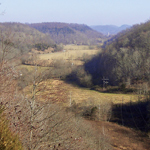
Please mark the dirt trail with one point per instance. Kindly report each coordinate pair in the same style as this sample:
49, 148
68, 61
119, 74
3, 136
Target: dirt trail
123, 138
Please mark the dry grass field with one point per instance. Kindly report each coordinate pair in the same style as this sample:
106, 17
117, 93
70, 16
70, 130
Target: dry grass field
68, 54
62, 92
73, 53
77, 47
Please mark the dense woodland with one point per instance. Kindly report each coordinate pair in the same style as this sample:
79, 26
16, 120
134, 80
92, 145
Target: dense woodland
33, 120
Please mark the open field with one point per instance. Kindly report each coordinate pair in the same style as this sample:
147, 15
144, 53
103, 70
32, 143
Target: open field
59, 91
71, 52
75, 55
77, 47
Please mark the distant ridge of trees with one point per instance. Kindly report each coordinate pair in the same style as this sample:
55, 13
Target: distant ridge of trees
69, 33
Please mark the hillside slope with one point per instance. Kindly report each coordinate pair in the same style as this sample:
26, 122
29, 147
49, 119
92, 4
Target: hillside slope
69, 33
22, 36
125, 57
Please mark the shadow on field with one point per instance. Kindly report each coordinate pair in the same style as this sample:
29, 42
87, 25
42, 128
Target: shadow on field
132, 115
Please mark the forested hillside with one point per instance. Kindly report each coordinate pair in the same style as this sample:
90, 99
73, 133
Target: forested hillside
23, 37
69, 33
125, 58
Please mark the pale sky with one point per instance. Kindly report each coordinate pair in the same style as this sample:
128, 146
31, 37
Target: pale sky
90, 12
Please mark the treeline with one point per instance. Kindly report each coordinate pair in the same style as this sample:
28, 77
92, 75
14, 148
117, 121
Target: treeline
69, 33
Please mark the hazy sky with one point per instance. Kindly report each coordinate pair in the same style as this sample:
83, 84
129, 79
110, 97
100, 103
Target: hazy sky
90, 12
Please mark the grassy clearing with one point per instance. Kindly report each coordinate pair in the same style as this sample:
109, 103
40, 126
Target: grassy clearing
74, 56
70, 52
81, 94
59, 91
76, 47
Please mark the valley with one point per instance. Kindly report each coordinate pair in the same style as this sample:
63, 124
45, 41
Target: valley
66, 86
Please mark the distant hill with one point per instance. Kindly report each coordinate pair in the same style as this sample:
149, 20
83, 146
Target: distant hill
110, 29
69, 33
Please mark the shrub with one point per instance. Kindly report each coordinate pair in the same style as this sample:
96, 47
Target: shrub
25, 77
83, 78
123, 87
8, 140
41, 46
58, 48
